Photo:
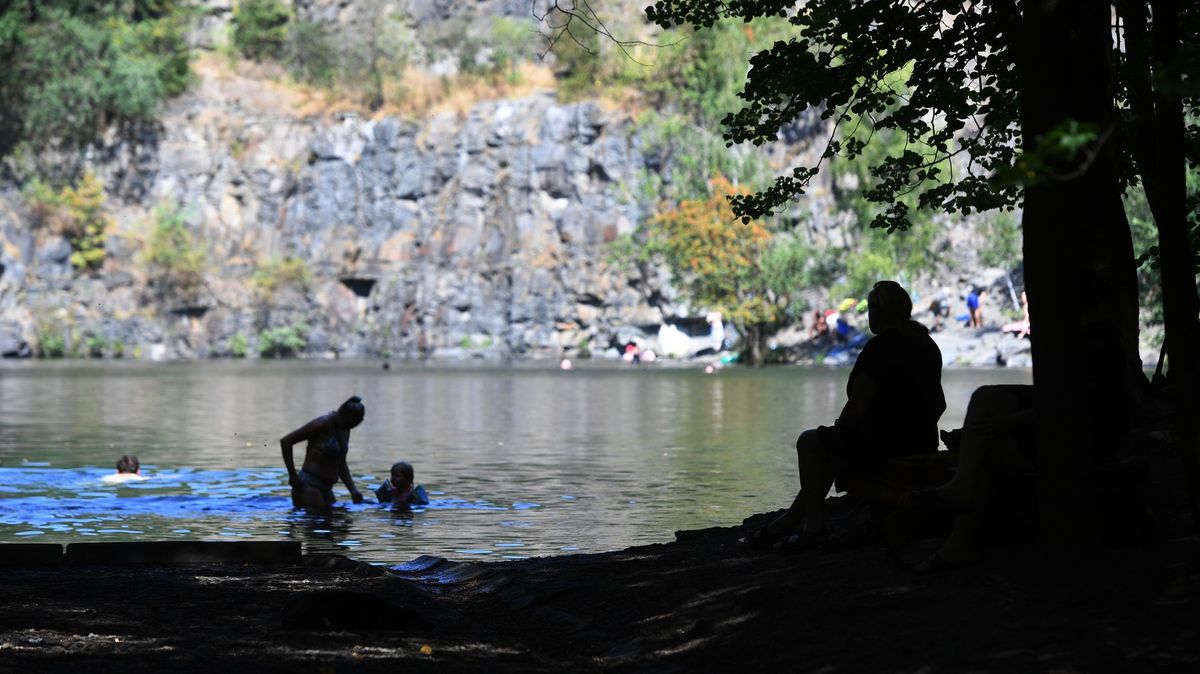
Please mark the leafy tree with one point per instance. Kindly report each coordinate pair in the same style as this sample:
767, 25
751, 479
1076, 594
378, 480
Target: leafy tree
68, 70
720, 267
702, 72
688, 156
375, 62
310, 54
1025, 94
260, 28
498, 53
1002, 241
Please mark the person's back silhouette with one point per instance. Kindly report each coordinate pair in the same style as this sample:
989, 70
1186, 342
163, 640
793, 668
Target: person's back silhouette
895, 400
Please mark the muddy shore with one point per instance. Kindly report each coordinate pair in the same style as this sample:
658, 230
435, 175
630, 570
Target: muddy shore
696, 604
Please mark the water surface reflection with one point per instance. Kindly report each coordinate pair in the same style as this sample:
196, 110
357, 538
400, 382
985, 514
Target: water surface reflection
519, 460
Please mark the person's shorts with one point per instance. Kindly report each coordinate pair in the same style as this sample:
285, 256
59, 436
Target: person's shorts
319, 483
847, 453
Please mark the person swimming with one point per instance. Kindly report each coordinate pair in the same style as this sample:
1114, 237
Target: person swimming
128, 470
398, 490
328, 439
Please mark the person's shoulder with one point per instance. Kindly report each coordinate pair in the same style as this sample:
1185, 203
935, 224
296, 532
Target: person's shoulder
319, 424
121, 478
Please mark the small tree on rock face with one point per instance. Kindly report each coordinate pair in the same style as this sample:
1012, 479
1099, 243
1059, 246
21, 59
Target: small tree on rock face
177, 263
76, 213
717, 263
260, 28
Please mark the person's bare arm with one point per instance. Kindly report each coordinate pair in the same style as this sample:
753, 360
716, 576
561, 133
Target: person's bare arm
344, 473
854, 413
287, 442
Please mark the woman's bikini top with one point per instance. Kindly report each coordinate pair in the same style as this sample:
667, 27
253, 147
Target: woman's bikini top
332, 446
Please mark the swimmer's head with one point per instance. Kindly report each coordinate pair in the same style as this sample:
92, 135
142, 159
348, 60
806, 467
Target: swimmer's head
128, 464
351, 412
402, 475
887, 305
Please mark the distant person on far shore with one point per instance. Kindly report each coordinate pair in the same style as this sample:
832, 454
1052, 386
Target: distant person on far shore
1020, 329
939, 310
399, 489
632, 354
128, 470
819, 327
328, 439
975, 300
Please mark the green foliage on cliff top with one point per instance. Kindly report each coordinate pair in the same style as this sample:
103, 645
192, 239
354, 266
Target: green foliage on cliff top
68, 70
367, 69
260, 28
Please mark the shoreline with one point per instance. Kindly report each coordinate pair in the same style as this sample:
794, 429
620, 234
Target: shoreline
695, 604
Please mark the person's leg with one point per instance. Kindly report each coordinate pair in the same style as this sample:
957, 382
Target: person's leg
811, 460
309, 498
315, 493
979, 440
816, 478
984, 452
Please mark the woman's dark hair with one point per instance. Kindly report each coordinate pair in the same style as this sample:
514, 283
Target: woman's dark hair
352, 409
128, 464
890, 300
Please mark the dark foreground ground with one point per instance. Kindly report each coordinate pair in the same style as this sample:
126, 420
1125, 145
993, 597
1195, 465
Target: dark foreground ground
696, 604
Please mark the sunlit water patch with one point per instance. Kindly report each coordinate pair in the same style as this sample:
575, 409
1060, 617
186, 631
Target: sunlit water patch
65, 505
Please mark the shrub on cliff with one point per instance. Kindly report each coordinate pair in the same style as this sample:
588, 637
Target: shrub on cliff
260, 28
276, 275
177, 262
283, 342
75, 212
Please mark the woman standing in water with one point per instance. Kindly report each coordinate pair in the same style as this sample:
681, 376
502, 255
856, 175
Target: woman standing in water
328, 439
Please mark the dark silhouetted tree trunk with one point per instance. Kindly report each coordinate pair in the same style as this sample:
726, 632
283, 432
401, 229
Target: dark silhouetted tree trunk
1079, 266
1181, 307
1159, 152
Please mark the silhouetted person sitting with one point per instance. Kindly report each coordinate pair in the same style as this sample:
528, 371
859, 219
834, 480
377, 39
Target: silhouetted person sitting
997, 438
895, 400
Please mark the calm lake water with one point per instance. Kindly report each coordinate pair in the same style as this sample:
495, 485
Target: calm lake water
519, 460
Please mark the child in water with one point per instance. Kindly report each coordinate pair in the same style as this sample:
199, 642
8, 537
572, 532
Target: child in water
399, 489
128, 470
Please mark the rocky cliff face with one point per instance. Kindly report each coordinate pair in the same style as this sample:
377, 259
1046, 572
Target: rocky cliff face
478, 232
482, 233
